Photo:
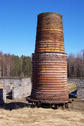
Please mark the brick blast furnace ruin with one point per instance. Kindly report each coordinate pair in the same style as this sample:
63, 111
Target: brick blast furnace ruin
49, 62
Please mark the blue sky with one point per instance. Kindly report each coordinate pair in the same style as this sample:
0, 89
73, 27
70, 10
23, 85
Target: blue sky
18, 21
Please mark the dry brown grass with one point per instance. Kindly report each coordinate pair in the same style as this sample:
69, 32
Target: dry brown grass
41, 117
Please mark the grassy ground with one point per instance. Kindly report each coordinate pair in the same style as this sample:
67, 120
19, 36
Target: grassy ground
22, 114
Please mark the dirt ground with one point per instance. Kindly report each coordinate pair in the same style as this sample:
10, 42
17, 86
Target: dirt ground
22, 114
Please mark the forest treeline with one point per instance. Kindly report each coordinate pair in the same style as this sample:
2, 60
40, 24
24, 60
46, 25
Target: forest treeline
75, 65
15, 66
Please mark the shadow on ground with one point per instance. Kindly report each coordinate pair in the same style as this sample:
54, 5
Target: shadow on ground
16, 105
75, 105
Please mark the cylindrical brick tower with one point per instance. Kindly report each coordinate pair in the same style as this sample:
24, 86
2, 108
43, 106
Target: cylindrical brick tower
49, 62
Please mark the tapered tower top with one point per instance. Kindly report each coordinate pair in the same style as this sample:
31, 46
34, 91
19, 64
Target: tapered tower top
49, 36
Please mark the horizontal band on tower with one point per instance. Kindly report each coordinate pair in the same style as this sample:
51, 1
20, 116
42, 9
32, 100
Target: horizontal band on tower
50, 30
